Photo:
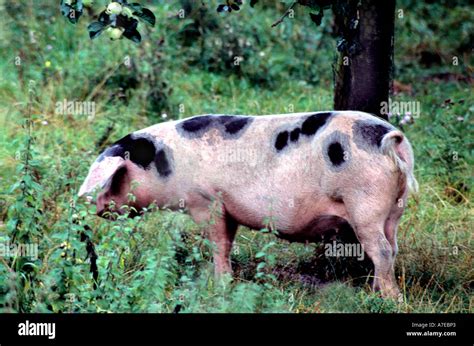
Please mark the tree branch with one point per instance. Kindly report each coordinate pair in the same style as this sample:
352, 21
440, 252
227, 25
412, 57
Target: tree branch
286, 14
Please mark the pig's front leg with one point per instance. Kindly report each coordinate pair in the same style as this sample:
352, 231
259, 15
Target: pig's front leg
222, 234
220, 230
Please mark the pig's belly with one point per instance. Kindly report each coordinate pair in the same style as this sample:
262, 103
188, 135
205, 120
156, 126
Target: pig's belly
320, 227
306, 219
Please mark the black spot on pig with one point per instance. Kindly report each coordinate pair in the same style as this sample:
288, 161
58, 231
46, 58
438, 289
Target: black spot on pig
337, 151
374, 133
295, 134
162, 163
229, 126
118, 148
196, 124
368, 134
308, 127
281, 140
143, 150
236, 124
314, 122
114, 150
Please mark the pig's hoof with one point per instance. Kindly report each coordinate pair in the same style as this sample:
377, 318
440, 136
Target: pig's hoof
391, 292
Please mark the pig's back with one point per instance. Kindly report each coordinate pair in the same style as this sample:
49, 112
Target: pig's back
276, 164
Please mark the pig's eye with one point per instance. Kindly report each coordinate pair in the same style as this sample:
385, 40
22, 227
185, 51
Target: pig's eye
118, 181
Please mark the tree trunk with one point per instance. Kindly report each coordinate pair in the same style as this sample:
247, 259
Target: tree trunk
364, 67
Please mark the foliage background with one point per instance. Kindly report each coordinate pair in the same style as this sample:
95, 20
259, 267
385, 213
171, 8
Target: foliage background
183, 67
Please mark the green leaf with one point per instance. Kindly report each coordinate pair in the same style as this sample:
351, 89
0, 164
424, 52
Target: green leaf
11, 224
135, 6
65, 8
317, 17
104, 17
260, 254
133, 35
143, 13
32, 265
146, 15
72, 11
95, 29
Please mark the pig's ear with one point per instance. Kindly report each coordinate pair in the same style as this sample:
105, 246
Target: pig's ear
100, 173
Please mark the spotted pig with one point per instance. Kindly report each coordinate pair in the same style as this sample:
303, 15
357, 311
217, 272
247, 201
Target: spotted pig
309, 173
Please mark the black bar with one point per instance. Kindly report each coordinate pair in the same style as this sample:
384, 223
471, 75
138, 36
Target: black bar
290, 329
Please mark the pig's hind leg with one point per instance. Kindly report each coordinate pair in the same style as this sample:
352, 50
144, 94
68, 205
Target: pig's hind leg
368, 220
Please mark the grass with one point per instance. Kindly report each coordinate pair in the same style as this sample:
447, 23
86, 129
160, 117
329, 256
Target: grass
161, 261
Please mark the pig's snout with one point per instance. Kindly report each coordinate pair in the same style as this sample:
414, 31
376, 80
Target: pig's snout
102, 208
100, 204
110, 210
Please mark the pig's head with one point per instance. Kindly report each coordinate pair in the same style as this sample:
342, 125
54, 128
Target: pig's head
137, 164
